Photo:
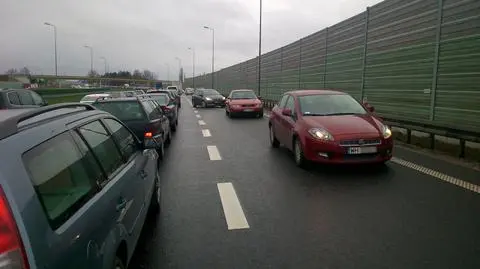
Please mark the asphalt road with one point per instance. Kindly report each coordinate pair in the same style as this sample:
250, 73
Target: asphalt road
417, 212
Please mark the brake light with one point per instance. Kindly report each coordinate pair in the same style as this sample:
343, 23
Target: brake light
148, 134
12, 252
165, 108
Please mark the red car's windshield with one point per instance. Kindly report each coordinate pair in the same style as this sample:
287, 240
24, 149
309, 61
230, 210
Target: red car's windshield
243, 95
325, 105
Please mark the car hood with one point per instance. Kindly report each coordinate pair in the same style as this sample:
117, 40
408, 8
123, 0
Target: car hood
244, 101
345, 124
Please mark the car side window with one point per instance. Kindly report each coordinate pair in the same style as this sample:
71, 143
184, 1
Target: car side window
103, 146
148, 108
25, 98
62, 179
123, 137
13, 98
37, 99
283, 101
290, 104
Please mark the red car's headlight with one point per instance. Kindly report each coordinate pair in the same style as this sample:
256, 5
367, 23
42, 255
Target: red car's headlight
321, 134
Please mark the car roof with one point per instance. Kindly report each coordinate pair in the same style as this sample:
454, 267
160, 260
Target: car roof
120, 99
17, 120
5, 114
97, 95
316, 92
243, 90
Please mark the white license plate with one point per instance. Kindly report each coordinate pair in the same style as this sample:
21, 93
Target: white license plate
248, 110
362, 150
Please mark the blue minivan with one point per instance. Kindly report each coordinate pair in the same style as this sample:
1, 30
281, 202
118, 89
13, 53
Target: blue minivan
75, 188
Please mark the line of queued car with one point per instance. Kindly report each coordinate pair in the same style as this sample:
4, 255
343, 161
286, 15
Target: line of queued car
79, 179
318, 126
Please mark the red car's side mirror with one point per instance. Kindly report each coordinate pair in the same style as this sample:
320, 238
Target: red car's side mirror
287, 112
369, 107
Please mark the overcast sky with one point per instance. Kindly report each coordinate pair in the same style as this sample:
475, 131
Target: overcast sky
148, 34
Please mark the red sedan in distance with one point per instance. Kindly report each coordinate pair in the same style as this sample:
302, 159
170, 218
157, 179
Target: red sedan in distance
243, 102
326, 126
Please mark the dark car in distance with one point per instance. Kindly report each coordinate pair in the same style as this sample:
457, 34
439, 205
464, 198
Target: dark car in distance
168, 106
207, 98
143, 116
171, 93
327, 126
20, 98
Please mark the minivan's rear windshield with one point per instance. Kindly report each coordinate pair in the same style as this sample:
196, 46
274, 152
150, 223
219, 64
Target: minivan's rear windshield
124, 110
162, 99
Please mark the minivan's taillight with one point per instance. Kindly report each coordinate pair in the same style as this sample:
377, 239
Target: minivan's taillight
12, 252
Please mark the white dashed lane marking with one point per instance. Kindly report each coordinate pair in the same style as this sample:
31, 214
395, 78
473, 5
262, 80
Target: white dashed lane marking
198, 116
206, 133
452, 180
231, 207
201, 122
195, 111
213, 153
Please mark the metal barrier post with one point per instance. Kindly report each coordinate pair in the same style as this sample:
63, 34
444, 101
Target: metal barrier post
365, 48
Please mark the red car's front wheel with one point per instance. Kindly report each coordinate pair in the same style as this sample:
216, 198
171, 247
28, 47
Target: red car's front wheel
298, 153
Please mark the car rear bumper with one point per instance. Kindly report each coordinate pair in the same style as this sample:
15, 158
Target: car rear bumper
330, 152
246, 110
215, 103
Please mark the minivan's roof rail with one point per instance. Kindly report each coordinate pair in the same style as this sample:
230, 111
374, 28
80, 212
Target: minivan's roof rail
9, 126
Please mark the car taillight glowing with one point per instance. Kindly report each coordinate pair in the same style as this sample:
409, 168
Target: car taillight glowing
166, 108
12, 252
148, 134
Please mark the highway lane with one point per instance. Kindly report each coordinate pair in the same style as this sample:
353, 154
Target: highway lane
327, 217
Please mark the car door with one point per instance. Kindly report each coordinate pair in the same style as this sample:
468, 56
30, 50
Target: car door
155, 122
158, 112
286, 123
65, 176
143, 170
122, 175
276, 116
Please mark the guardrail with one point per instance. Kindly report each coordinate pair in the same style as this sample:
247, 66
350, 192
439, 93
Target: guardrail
430, 129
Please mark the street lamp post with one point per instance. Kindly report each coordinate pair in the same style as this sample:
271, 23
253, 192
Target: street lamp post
91, 56
179, 68
168, 71
55, 42
193, 68
260, 51
213, 53
105, 63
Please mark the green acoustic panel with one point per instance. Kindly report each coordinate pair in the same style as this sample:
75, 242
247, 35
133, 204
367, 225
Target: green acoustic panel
413, 60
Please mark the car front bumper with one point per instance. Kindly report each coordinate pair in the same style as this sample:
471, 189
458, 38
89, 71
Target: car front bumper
334, 153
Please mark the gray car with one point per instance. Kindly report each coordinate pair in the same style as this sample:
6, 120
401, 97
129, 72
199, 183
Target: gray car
75, 188
20, 98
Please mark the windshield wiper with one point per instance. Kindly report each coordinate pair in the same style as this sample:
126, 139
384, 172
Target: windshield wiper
344, 113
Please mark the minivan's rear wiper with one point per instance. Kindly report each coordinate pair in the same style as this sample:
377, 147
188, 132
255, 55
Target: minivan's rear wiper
340, 114
330, 114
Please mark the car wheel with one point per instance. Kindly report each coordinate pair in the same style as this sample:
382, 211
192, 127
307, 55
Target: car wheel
260, 114
298, 153
176, 122
226, 112
118, 264
173, 127
168, 140
273, 140
156, 196
204, 105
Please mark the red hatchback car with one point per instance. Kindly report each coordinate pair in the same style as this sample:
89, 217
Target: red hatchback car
327, 126
243, 102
